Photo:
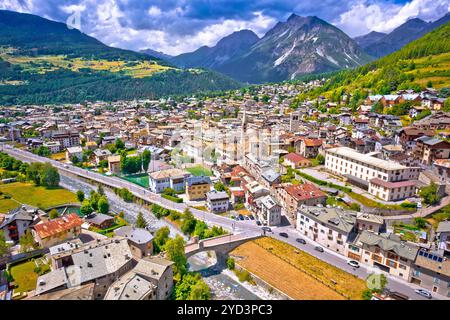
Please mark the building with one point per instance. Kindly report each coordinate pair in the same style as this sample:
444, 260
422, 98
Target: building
432, 271
114, 164
139, 240
17, 222
150, 279
52, 232
100, 155
295, 161
308, 148
385, 251
385, 179
443, 236
72, 152
99, 262
217, 201
429, 149
66, 139
53, 146
268, 211
253, 190
331, 227
407, 136
369, 222
270, 178
170, 178
99, 220
197, 187
292, 197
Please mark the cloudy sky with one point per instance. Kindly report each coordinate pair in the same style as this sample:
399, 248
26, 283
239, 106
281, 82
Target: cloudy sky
177, 26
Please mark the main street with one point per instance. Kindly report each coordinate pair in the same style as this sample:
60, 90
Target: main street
328, 256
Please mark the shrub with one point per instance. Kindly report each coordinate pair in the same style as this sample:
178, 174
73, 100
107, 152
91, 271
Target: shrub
172, 198
230, 263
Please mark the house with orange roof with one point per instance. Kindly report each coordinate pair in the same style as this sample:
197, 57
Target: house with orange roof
291, 197
308, 147
295, 161
52, 232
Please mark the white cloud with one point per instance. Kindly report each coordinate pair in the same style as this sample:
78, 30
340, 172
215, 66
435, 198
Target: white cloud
154, 11
384, 17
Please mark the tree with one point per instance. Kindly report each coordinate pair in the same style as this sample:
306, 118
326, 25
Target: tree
74, 159
146, 157
4, 247
430, 194
93, 200
53, 214
160, 239
175, 252
86, 208
80, 195
126, 195
200, 291
100, 190
219, 186
119, 144
200, 228
421, 223
320, 159
230, 263
103, 205
189, 222
140, 221
49, 176
26, 241
192, 287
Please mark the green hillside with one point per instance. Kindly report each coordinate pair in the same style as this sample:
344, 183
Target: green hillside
422, 62
54, 64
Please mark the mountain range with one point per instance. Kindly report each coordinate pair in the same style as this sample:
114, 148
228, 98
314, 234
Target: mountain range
379, 44
298, 46
55, 64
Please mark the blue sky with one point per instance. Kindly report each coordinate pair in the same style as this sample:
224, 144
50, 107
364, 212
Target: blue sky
176, 26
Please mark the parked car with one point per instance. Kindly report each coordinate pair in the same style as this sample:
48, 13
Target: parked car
246, 218
317, 248
300, 240
353, 263
252, 217
258, 222
424, 293
267, 229
419, 205
241, 217
284, 235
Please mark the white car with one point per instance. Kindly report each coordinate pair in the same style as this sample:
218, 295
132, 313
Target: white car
419, 205
353, 263
424, 293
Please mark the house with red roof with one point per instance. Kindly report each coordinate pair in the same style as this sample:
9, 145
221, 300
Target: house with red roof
291, 197
52, 232
295, 161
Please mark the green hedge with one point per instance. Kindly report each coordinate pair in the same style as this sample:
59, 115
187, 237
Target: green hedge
323, 183
172, 198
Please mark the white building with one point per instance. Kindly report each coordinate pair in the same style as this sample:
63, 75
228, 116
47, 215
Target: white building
169, 178
268, 211
217, 201
385, 179
331, 227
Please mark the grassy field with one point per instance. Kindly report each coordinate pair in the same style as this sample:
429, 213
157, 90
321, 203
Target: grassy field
28, 193
49, 63
298, 274
7, 204
199, 171
139, 179
24, 276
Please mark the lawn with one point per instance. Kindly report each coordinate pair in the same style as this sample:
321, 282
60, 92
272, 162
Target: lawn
199, 171
7, 204
24, 276
298, 274
139, 179
28, 193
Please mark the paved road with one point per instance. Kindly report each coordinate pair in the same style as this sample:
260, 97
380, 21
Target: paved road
337, 260
328, 256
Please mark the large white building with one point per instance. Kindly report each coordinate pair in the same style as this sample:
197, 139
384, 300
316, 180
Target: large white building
385, 179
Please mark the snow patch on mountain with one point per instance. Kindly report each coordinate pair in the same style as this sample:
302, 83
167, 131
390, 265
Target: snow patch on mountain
285, 55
